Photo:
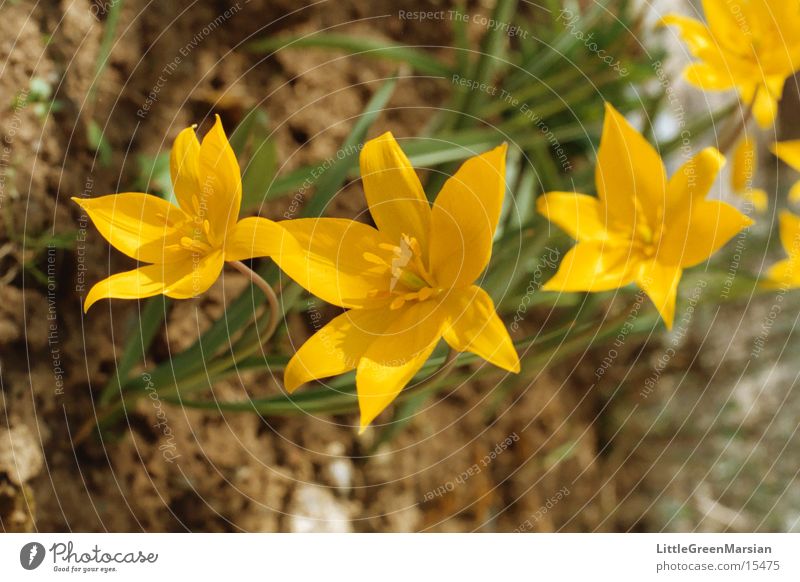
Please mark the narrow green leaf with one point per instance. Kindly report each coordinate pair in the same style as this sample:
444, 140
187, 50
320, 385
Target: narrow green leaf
98, 143
259, 173
240, 136
368, 47
332, 179
490, 61
139, 341
106, 44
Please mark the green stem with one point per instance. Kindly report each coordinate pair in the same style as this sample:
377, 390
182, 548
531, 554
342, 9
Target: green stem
269, 293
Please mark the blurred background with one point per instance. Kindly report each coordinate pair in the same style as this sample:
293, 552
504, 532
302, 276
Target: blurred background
689, 430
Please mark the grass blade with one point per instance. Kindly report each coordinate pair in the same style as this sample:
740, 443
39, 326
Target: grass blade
330, 181
368, 47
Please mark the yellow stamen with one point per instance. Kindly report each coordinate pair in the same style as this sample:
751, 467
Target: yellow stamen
374, 259
195, 245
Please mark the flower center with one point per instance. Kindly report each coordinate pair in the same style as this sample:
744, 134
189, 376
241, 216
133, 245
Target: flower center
410, 279
196, 234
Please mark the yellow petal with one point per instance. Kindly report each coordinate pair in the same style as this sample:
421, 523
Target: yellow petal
660, 282
178, 280
700, 232
763, 93
692, 182
140, 225
765, 106
335, 259
726, 26
744, 163
220, 193
693, 32
630, 177
473, 326
790, 233
394, 193
465, 216
758, 198
794, 193
788, 151
784, 274
136, 284
192, 279
595, 266
336, 348
709, 77
184, 167
393, 359
253, 237
582, 217
711, 73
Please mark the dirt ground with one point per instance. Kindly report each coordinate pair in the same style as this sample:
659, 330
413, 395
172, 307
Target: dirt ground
565, 465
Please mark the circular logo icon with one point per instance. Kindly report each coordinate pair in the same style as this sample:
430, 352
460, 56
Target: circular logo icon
31, 555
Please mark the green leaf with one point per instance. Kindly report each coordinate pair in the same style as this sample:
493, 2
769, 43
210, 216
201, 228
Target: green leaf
340, 397
98, 143
331, 180
139, 340
240, 136
360, 46
490, 61
259, 173
154, 176
106, 44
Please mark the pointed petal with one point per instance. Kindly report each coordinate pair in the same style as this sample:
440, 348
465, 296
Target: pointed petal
794, 193
784, 274
140, 225
700, 232
336, 348
465, 216
790, 233
393, 359
337, 260
788, 151
253, 237
184, 167
693, 32
744, 163
394, 193
708, 76
473, 326
692, 182
660, 282
220, 194
595, 266
190, 280
178, 280
630, 177
758, 198
726, 26
765, 106
136, 284
582, 217
710, 73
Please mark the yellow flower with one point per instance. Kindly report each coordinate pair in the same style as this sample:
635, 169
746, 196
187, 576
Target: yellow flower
186, 244
786, 273
752, 46
642, 228
407, 283
789, 152
744, 167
